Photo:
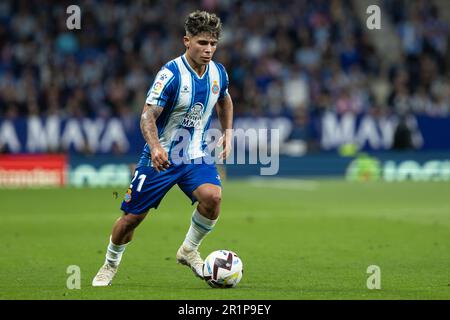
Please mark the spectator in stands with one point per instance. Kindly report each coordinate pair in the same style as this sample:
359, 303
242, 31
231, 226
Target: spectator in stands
402, 136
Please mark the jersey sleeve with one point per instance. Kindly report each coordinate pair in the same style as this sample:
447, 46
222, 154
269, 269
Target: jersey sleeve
224, 82
162, 88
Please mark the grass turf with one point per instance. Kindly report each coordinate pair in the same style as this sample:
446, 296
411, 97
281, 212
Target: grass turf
297, 239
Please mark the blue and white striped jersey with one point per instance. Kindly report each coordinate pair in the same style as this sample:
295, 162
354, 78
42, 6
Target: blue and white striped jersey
188, 102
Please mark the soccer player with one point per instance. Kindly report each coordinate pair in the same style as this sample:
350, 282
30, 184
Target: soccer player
182, 97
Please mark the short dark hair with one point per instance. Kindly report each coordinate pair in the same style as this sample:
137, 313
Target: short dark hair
201, 21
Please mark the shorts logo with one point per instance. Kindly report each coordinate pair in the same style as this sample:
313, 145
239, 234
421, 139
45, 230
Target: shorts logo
215, 87
127, 197
194, 116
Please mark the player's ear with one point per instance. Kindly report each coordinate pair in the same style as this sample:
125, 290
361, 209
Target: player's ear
186, 41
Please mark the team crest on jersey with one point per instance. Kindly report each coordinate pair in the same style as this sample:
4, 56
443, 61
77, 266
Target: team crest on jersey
215, 87
127, 197
193, 117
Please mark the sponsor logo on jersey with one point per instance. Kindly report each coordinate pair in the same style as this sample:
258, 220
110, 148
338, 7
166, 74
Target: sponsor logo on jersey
193, 117
215, 87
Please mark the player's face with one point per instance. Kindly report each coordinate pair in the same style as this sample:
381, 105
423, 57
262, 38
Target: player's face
201, 47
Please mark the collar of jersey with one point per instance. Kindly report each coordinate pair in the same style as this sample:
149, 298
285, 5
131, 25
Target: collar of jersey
183, 58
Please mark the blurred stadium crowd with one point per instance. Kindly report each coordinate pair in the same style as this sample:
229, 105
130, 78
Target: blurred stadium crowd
295, 58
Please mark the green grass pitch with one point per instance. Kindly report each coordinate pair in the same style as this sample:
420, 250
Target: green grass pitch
298, 240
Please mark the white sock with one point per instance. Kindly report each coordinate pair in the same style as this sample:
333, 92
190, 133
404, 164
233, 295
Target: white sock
114, 253
200, 227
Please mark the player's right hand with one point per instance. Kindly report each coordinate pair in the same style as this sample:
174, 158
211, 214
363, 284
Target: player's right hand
160, 158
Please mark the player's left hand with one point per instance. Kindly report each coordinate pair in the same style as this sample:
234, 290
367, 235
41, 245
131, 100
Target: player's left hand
225, 142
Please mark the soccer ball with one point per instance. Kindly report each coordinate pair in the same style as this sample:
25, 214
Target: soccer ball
223, 269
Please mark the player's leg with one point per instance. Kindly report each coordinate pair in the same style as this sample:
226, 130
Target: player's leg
201, 184
205, 215
121, 235
124, 227
203, 221
146, 191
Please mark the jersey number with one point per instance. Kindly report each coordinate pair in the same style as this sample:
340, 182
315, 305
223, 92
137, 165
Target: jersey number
141, 181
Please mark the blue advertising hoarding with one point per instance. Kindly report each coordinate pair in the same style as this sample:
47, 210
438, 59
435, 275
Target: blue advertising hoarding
123, 136
107, 170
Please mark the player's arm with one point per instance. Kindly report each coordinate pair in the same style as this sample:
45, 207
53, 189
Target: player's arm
224, 109
160, 158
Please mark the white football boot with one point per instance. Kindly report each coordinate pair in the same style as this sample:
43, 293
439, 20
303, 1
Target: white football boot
191, 259
104, 276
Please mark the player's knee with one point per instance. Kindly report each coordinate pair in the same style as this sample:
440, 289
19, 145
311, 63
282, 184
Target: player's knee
212, 201
216, 199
